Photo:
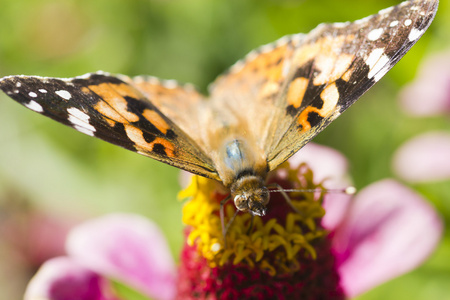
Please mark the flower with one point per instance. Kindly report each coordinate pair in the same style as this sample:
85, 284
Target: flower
424, 158
429, 94
121, 247
284, 254
28, 238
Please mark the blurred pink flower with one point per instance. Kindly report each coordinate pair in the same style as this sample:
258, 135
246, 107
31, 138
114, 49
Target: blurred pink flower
65, 278
423, 158
28, 238
123, 247
429, 93
385, 231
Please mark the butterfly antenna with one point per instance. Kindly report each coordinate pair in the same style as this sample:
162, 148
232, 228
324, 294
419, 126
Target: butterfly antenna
348, 190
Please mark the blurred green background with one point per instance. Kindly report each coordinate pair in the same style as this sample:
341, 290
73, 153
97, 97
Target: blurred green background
55, 169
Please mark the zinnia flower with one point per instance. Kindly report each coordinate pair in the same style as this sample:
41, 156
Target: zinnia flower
295, 251
28, 238
424, 158
429, 93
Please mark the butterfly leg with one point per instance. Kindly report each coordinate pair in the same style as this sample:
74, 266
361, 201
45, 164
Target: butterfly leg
222, 219
278, 187
251, 224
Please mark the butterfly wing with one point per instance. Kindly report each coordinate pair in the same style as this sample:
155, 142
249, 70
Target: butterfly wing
113, 109
305, 82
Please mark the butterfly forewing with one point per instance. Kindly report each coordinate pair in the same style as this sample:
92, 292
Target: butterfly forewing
109, 108
309, 80
336, 64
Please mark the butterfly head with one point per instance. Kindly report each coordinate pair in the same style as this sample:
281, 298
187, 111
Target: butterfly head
250, 195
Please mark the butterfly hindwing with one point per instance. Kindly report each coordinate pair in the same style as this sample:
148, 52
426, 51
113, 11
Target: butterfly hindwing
110, 108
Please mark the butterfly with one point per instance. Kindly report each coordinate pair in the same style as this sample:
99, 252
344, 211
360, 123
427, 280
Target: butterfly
259, 113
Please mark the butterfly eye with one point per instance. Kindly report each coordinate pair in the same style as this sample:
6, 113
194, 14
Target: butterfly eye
241, 202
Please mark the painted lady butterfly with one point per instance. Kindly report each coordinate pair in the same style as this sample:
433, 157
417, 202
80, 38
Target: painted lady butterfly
259, 113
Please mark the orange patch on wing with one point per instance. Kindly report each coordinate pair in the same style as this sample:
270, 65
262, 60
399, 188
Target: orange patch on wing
269, 88
346, 76
143, 146
331, 67
157, 121
328, 57
161, 96
296, 91
113, 95
330, 97
110, 122
268, 65
303, 117
109, 113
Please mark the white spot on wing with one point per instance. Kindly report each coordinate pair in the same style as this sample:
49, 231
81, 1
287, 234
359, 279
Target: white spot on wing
415, 34
408, 22
78, 113
267, 48
282, 41
362, 21
393, 23
297, 38
43, 91
32, 94
18, 84
153, 80
33, 105
286, 67
375, 34
378, 64
64, 94
84, 130
404, 3
340, 24
80, 120
170, 84
386, 10
374, 56
384, 69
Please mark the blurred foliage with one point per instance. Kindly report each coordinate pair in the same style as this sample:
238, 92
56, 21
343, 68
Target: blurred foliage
193, 41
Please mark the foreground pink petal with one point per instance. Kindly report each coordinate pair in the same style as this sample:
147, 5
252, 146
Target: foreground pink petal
63, 279
424, 158
429, 94
388, 231
127, 248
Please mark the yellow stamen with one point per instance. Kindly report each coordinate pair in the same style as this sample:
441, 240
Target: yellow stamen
271, 246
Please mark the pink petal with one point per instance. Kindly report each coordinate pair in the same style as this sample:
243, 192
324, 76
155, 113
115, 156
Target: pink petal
184, 179
46, 236
424, 158
389, 230
429, 94
336, 207
128, 248
329, 165
63, 279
